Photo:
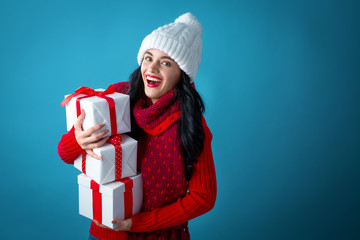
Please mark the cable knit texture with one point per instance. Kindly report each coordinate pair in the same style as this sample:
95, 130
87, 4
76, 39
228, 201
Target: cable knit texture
68, 147
169, 200
181, 40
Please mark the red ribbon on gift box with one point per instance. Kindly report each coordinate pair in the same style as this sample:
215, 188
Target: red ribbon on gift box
89, 92
116, 142
97, 203
128, 197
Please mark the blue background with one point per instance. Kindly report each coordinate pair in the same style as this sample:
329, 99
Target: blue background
281, 82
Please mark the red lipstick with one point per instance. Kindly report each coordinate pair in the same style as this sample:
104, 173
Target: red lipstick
152, 81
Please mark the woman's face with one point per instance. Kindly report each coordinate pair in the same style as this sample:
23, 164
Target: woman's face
160, 74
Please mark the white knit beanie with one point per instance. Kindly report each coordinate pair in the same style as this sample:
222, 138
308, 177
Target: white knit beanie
181, 40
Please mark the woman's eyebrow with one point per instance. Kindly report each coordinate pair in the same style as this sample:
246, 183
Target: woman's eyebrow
166, 57
163, 57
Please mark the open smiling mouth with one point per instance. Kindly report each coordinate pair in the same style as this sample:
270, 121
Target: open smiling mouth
153, 81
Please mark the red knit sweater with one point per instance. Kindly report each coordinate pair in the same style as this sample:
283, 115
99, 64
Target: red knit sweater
169, 200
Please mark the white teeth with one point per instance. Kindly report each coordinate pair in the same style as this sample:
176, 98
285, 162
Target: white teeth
152, 79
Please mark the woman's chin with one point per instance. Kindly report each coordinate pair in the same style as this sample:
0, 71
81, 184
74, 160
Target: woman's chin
153, 96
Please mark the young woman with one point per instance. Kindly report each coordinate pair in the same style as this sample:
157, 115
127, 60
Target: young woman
174, 142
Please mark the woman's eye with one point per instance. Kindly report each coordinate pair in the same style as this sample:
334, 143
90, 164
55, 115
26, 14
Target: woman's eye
166, 64
148, 58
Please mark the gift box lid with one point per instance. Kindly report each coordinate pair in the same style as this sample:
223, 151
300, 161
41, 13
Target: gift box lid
109, 189
94, 102
114, 95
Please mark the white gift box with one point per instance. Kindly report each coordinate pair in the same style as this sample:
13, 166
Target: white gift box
97, 111
103, 171
113, 200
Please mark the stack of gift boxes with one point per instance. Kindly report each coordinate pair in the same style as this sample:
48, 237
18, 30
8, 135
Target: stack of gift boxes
109, 188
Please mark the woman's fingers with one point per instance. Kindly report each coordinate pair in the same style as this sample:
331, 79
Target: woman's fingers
87, 139
79, 121
100, 225
92, 154
93, 140
97, 137
122, 225
88, 132
97, 144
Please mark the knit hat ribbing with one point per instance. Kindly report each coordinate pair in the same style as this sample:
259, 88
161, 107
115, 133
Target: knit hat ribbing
181, 40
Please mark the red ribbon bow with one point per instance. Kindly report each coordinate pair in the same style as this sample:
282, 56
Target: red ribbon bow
88, 92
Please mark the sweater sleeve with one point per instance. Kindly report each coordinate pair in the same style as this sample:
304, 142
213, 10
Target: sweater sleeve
122, 87
68, 148
199, 199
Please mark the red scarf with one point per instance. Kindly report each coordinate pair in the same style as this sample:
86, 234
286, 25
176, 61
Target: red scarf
160, 155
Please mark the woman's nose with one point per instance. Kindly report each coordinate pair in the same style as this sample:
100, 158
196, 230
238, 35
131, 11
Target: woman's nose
153, 67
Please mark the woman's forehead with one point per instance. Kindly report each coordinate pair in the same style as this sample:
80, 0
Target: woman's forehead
156, 52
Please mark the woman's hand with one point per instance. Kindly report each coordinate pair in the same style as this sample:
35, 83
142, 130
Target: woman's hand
85, 138
123, 225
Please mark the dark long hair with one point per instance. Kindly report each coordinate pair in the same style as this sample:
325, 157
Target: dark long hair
191, 132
